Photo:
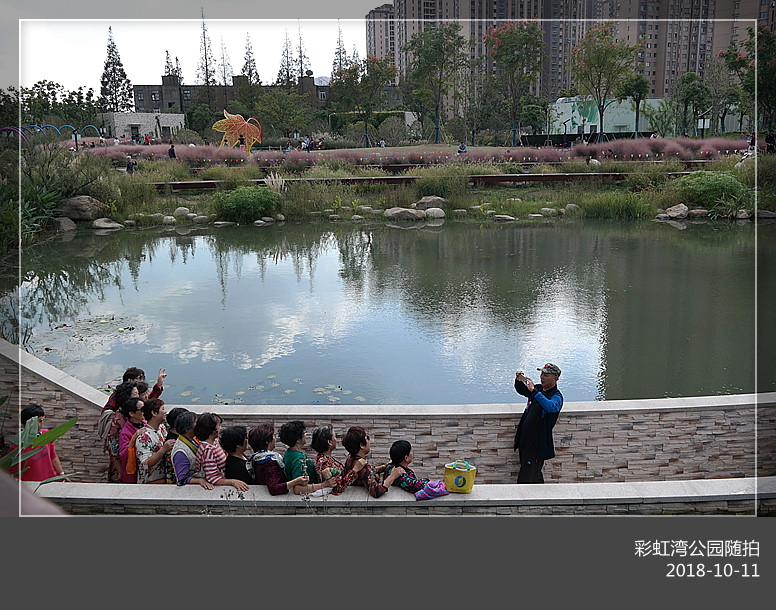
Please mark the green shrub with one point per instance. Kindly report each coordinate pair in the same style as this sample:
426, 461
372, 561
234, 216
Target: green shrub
105, 190
187, 136
710, 188
245, 204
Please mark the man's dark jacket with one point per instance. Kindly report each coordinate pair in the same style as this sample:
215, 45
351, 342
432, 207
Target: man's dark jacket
534, 432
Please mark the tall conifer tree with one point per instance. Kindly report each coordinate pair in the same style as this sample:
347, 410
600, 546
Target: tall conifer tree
286, 72
249, 93
302, 61
224, 71
341, 60
115, 88
206, 69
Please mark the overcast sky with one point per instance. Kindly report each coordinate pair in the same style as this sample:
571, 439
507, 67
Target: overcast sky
142, 44
72, 53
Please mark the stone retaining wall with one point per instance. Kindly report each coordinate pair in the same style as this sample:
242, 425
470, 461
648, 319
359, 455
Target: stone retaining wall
625, 440
699, 497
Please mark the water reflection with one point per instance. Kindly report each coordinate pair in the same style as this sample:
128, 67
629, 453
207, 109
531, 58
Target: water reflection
395, 316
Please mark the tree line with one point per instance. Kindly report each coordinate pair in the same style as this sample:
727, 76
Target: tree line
453, 96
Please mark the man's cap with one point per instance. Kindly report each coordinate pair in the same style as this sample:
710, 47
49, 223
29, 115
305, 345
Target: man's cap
552, 369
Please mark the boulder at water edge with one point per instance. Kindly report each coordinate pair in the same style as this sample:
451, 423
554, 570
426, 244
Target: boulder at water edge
106, 223
168, 220
435, 213
677, 212
63, 224
84, 207
404, 214
503, 218
181, 211
429, 201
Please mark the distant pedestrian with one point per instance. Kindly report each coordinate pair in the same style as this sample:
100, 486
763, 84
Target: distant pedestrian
116, 141
171, 152
242, 143
131, 165
147, 140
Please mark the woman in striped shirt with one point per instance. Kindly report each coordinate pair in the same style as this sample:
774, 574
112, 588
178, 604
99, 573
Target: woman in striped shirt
211, 458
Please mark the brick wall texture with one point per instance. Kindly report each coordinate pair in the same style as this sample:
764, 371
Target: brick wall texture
632, 445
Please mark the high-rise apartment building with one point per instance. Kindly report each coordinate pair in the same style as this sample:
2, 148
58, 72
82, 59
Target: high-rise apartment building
680, 36
563, 22
381, 32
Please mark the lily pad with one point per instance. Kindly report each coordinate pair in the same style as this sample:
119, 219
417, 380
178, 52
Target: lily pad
197, 399
275, 384
333, 399
319, 390
360, 398
271, 376
290, 391
297, 380
347, 391
239, 393
187, 393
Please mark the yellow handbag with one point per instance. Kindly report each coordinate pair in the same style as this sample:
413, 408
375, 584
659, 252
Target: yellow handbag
459, 477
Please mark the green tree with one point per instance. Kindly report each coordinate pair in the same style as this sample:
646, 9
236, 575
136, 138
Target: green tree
715, 77
115, 88
206, 68
249, 91
9, 107
691, 97
78, 108
282, 111
39, 102
517, 49
302, 60
635, 87
224, 72
754, 61
200, 118
341, 60
286, 72
361, 88
600, 64
661, 118
438, 53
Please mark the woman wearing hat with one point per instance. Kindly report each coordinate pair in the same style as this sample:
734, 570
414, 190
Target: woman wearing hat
533, 438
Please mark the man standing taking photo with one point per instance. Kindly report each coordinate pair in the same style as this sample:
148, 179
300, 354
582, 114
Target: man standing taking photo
533, 438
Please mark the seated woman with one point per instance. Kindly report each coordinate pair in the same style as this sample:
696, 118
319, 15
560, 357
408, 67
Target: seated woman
401, 457
324, 441
151, 446
184, 452
268, 467
211, 458
133, 413
296, 462
234, 441
356, 442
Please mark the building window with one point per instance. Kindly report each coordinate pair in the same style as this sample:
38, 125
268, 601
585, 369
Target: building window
154, 96
139, 96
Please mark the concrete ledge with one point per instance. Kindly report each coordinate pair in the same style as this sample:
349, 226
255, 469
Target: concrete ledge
709, 496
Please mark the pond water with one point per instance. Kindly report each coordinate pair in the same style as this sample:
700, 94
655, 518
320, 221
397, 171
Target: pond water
378, 314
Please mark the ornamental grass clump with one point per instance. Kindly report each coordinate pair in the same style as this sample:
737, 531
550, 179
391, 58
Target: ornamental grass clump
708, 189
245, 204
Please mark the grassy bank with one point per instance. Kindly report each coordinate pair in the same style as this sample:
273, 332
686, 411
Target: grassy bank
721, 188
